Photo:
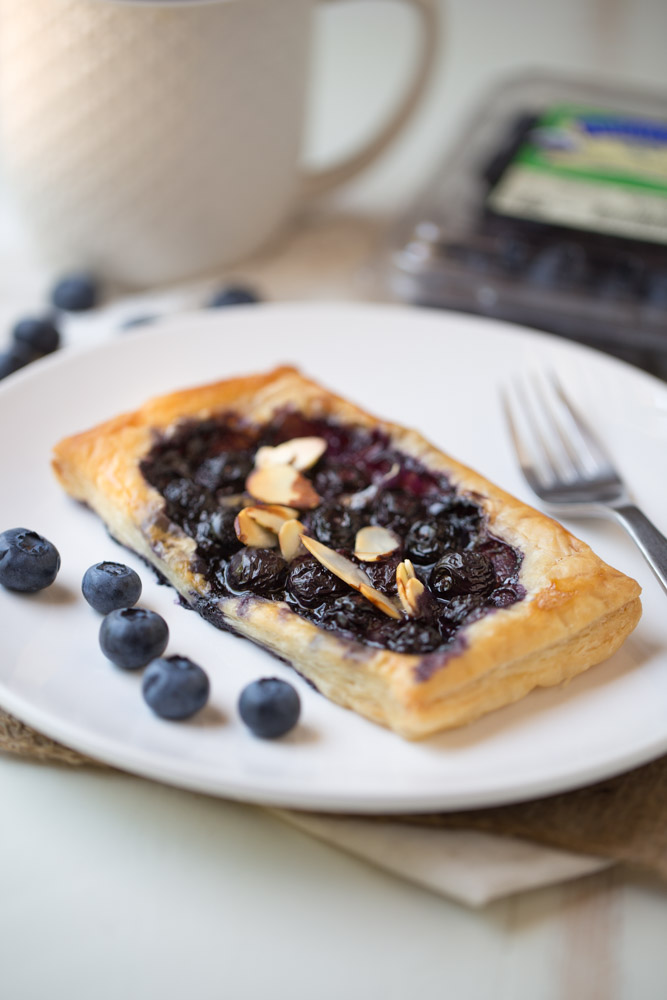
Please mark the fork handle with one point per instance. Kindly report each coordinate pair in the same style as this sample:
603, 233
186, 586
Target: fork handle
651, 542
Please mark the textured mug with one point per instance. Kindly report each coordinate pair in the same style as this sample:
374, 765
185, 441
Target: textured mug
149, 141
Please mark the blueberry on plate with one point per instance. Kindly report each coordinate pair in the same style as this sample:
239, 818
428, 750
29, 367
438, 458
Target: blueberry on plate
132, 637
16, 356
37, 333
269, 707
108, 586
28, 562
175, 687
75, 292
233, 295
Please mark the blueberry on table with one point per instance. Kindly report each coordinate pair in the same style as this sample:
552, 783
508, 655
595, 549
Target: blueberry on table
28, 561
269, 707
75, 293
108, 586
233, 295
175, 687
37, 333
132, 637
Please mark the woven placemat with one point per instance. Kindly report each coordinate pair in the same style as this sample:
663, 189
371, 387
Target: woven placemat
623, 819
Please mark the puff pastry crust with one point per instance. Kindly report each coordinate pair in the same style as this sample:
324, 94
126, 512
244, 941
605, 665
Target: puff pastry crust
577, 610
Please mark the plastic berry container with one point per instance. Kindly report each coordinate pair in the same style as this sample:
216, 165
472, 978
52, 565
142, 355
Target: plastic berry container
551, 211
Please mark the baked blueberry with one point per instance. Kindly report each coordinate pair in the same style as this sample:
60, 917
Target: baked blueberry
351, 613
269, 707
37, 333
339, 480
312, 583
396, 510
215, 532
132, 637
503, 597
223, 471
459, 609
336, 526
413, 636
108, 586
75, 292
382, 573
175, 687
233, 295
260, 570
426, 541
28, 561
459, 573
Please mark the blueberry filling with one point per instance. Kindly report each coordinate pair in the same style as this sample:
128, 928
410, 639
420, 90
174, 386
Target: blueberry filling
201, 469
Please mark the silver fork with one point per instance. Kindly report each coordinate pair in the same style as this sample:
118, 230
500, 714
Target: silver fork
568, 468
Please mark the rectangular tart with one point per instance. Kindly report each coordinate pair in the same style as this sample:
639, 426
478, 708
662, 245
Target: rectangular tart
460, 600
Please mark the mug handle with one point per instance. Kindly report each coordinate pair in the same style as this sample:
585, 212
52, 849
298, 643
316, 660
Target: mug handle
318, 182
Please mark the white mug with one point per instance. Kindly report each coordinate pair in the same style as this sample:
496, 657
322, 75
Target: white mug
152, 140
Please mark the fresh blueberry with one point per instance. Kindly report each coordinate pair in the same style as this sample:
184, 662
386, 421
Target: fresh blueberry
233, 295
38, 333
15, 357
108, 586
559, 265
28, 562
260, 570
132, 637
269, 707
75, 293
175, 687
459, 573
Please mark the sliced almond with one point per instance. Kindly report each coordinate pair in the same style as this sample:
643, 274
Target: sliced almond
233, 500
374, 542
301, 453
290, 541
272, 516
356, 501
281, 484
410, 589
351, 574
380, 600
251, 533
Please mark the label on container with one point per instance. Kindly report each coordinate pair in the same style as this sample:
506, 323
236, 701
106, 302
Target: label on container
591, 170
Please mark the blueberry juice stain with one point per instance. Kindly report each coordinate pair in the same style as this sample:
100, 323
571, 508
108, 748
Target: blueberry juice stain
200, 470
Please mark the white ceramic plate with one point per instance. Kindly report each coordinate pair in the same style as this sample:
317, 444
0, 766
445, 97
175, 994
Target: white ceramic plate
438, 372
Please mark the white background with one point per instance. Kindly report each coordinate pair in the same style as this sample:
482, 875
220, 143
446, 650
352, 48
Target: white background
116, 887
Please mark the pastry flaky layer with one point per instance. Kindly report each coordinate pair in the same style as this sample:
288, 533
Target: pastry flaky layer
577, 610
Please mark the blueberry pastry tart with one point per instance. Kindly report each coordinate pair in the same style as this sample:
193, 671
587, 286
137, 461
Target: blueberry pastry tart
402, 584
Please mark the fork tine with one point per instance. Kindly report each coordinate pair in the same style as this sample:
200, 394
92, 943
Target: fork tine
573, 461
555, 451
537, 477
599, 456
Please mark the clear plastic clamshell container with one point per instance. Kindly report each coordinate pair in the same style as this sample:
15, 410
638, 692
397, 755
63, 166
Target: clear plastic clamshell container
551, 212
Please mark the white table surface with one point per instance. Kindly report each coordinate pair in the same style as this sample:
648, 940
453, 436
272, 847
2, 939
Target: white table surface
116, 887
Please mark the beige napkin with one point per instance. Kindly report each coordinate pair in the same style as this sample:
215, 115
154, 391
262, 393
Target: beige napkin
482, 854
